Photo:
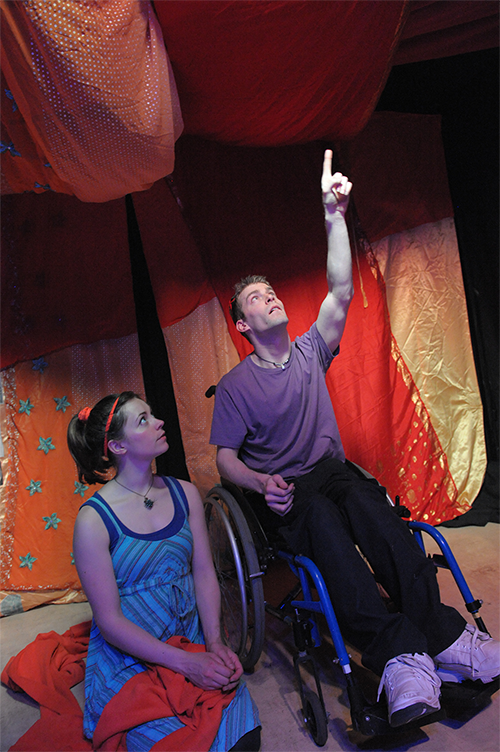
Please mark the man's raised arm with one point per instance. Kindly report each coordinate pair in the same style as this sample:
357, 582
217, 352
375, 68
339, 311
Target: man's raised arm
333, 312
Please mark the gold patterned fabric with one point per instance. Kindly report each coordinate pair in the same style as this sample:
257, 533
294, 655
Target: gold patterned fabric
428, 313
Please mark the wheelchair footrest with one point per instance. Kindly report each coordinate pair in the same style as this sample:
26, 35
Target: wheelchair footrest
373, 721
459, 702
463, 700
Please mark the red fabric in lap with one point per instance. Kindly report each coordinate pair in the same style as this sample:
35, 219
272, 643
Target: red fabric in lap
159, 693
47, 668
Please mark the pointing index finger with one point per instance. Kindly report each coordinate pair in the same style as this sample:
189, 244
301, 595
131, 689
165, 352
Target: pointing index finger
327, 163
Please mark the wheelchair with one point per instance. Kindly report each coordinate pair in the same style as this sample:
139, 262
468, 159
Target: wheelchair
242, 553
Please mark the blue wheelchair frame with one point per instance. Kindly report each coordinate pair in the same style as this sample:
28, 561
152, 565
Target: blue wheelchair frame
301, 614
367, 720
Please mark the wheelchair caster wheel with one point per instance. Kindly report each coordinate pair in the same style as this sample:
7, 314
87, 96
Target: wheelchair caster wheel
315, 717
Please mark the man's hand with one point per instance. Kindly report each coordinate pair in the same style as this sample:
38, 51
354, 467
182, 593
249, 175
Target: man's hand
279, 494
336, 188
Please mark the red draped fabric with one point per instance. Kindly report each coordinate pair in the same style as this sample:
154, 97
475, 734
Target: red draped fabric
269, 73
90, 105
397, 165
66, 275
440, 28
261, 74
67, 279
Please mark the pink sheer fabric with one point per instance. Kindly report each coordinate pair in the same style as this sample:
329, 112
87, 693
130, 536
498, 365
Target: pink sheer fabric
89, 101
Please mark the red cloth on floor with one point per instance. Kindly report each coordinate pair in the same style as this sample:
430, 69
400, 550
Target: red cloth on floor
161, 692
47, 668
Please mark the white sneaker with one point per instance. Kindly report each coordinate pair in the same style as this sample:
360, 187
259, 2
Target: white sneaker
475, 655
411, 687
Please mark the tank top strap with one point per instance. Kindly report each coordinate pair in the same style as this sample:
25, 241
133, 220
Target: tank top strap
103, 511
177, 493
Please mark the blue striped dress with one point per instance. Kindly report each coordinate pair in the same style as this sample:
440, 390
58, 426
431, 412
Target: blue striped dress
153, 573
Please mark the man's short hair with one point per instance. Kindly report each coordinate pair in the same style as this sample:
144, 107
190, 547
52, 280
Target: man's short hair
234, 305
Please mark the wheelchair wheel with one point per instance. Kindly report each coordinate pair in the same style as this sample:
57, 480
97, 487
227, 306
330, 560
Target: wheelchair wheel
315, 717
239, 575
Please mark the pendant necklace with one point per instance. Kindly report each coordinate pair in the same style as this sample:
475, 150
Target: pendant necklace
148, 503
276, 365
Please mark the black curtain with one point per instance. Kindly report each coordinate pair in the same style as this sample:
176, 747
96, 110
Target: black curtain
154, 357
464, 91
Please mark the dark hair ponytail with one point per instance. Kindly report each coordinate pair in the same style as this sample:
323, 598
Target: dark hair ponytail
87, 433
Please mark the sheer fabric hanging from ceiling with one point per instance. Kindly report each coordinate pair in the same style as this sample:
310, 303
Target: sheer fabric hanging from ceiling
89, 101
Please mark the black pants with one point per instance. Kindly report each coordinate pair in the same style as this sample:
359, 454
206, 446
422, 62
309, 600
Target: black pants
334, 511
248, 743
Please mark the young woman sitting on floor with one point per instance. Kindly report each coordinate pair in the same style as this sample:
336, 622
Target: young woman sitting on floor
143, 557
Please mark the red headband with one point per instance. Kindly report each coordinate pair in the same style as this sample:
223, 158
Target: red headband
110, 418
84, 413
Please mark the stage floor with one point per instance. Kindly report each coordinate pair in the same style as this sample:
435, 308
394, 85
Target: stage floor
272, 683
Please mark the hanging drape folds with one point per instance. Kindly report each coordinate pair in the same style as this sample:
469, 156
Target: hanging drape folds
437, 28
89, 102
271, 73
90, 105
66, 275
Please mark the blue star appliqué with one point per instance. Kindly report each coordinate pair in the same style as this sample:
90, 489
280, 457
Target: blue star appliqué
80, 488
26, 406
9, 147
10, 96
72, 557
45, 187
52, 521
45, 445
34, 487
27, 561
39, 364
62, 403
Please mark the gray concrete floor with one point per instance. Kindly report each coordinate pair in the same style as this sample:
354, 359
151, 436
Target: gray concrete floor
272, 683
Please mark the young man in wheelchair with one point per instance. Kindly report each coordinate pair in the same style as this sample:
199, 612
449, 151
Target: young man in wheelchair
276, 434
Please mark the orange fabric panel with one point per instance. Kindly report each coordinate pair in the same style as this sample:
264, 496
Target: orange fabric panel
200, 352
42, 494
273, 73
94, 98
38, 534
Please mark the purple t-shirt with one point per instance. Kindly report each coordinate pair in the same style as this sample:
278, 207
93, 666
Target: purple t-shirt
281, 421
